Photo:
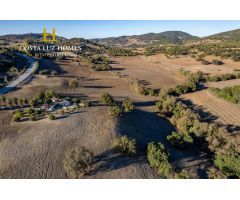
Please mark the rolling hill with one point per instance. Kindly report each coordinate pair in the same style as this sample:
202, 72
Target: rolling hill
147, 39
233, 35
28, 36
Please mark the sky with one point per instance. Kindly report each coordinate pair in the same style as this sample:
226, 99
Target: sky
111, 28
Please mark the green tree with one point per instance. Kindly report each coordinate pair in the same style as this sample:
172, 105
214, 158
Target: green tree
157, 157
128, 105
106, 98
126, 145
77, 162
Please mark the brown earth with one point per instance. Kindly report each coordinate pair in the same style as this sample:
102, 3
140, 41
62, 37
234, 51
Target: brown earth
36, 149
223, 84
159, 71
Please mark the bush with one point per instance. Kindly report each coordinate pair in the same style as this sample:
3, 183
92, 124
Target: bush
101, 67
166, 104
16, 118
157, 157
182, 141
115, 111
44, 72
217, 62
77, 162
29, 111
84, 103
73, 83
128, 105
33, 117
205, 62
214, 173
51, 117
106, 98
126, 145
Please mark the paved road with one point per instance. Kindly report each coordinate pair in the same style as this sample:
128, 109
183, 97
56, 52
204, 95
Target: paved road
30, 70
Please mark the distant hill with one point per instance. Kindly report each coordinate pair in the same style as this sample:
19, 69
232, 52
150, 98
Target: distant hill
146, 39
228, 35
28, 36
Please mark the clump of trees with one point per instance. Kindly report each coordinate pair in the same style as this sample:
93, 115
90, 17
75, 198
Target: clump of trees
121, 52
78, 162
190, 130
223, 77
31, 114
100, 63
158, 158
126, 145
42, 97
231, 94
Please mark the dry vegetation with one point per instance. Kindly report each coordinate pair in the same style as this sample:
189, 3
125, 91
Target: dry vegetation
130, 118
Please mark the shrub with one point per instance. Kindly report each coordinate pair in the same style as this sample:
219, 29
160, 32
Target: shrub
182, 141
115, 111
29, 111
51, 117
205, 62
181, 175
106, 98
166, 104
84, 103
126, 145
73, 83
44, 72
214, 173
128, 105
157, 157
217, 62
33, 117
77, 162
16, 118
101, 67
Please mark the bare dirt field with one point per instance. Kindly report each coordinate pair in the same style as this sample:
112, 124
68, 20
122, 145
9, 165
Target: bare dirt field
159, 71
212, 108
223, 84
36, 149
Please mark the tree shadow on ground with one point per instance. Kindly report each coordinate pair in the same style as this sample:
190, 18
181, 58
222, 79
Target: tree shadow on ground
146, 127
111, 160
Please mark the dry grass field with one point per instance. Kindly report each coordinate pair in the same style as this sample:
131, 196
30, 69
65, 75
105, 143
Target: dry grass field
36, 149
159, 71
215, 109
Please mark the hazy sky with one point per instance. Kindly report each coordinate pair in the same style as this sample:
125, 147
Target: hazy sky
99, 29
